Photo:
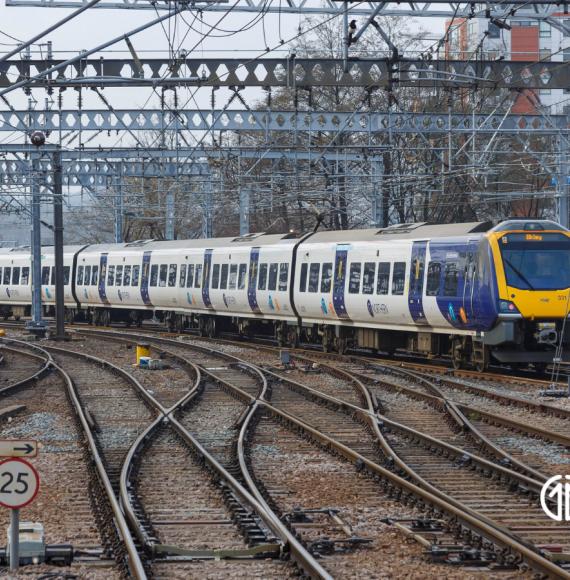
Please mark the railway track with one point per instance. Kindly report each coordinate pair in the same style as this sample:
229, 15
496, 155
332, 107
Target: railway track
261, 533
507, 476
70, 515
21, 364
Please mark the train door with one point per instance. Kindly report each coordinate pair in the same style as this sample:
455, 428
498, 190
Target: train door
145, 275
416, 289
469, 284
206, 272
340, 265
252, 280
103, 278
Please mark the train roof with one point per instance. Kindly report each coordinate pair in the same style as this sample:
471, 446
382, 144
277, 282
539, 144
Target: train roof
246, 240
402, 231
46, 250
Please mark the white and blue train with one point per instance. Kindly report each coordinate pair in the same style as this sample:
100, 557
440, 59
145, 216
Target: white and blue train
472, 290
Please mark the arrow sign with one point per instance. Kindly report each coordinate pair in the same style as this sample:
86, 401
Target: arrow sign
18, 448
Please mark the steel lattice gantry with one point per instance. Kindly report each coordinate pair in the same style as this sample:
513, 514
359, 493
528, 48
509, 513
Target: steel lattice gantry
267, 121
286, 72
96, 166
435, 8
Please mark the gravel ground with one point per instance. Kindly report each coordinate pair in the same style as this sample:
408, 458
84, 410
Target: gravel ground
299, 475
63, 505
167, 385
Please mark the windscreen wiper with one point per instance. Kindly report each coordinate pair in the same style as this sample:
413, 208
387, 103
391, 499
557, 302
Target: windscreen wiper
519, 274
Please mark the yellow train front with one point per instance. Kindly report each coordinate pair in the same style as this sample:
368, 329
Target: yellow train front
531, 274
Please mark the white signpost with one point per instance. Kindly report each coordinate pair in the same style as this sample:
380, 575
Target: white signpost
19, 485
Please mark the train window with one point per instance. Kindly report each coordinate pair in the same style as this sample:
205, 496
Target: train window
383, 282
8, 275
162, 275
66, 270
111, 276
135, 275
126, 275
16, 275
283, 277
224, 277
53, 275
172, 275
45, 275
326, 279
190, 276
182, 282
303, 278
272, 284
233, 277
451, 280
242, 276
216, 276
154, 275
80, 276
198, 276
354, 279
87, 278
25, 276
433, 279
119, 276
314, 272
399, 278
262, 283
95, 276
0, 275
368, 278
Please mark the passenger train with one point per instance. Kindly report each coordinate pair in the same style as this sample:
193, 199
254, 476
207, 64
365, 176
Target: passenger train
472, 290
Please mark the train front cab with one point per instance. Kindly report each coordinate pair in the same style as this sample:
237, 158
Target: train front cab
532, 266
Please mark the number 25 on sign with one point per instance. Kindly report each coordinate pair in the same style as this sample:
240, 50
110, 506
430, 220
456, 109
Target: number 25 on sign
19, 483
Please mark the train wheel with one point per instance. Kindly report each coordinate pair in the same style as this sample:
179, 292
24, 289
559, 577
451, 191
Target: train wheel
481, 357
328, 339
280, 333
457, 356
211, 327
292, 337
540, 368
341, 345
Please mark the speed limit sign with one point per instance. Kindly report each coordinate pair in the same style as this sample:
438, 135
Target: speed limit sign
19, 483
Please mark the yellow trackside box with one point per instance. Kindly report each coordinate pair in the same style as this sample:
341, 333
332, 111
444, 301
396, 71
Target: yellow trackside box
143, 349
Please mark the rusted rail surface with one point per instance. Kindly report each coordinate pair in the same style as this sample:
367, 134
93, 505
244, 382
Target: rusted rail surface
477, 524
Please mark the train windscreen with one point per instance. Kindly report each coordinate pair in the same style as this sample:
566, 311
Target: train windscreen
536, 261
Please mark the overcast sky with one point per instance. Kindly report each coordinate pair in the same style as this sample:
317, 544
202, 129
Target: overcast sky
97, 26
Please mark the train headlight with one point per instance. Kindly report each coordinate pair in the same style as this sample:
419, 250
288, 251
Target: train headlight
507, 307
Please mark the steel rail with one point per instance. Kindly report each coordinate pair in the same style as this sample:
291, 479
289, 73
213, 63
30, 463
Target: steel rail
455, 412
136, 449
491, 417
303, 558
134, 562
473, 523
45, 357
546, 408
495, 533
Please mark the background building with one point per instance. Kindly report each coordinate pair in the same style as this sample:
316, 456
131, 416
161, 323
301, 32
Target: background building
523, 40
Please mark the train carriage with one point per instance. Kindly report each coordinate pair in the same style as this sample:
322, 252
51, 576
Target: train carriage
472, 290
